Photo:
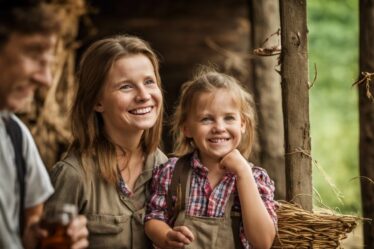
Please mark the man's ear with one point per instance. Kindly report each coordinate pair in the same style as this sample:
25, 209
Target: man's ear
99, 107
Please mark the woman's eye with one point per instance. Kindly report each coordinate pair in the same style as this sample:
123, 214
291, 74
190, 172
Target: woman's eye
125, 87
149, 81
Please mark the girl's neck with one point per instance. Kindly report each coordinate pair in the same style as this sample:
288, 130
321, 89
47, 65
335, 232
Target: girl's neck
212, 164
215, 173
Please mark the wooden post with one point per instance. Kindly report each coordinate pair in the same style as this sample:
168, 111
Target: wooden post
295, 96
267, 94
366, 113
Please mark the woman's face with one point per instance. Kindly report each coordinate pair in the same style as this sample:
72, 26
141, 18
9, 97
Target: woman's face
131, 99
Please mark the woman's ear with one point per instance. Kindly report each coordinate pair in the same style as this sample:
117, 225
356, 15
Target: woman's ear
99, 107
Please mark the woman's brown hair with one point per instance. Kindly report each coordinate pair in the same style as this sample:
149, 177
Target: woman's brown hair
89, 139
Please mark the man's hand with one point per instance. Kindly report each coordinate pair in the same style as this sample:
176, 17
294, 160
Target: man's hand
33, 233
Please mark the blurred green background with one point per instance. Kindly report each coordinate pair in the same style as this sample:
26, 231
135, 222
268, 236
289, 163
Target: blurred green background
333, 47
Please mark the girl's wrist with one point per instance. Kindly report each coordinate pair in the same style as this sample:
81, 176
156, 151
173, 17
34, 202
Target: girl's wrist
244, 173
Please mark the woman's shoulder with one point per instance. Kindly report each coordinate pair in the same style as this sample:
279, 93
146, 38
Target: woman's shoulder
70, 166
160, 157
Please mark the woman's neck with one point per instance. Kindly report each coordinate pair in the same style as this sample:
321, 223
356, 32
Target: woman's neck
130, 163
127, 141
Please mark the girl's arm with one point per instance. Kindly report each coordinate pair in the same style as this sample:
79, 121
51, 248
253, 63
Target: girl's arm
258, 226
165, 237
156, 217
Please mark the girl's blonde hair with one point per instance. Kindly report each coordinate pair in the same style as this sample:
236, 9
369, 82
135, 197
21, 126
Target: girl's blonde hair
207, 81
89, 138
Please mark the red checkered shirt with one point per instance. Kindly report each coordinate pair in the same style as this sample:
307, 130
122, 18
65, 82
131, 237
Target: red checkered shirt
203, 200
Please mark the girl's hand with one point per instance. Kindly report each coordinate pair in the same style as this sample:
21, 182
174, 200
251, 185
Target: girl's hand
178, 237
235, 163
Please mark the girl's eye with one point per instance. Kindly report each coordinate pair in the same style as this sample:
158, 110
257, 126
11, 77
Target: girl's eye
206, 120
230, 118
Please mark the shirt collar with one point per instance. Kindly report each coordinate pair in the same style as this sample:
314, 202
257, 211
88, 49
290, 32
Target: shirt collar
200, 169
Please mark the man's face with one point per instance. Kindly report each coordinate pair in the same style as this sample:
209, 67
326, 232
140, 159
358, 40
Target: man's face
25, 62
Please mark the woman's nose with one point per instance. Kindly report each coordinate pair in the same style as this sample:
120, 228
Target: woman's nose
142, 95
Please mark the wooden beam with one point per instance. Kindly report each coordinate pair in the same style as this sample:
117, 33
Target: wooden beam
267, 94
295, 94
366, 113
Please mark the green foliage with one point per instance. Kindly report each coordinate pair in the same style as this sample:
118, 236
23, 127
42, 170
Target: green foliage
333, 47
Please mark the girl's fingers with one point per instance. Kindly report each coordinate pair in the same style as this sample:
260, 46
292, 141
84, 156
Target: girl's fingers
174, 244
186, 232
176, 235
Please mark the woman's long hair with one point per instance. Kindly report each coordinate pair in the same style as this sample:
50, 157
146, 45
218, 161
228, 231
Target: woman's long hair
89, 139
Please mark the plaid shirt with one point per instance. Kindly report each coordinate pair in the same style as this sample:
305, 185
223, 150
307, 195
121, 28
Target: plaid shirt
203, 200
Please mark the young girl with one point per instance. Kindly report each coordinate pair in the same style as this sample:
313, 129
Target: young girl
212, 197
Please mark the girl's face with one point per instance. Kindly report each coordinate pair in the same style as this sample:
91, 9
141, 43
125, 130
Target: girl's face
215, 125
131, 99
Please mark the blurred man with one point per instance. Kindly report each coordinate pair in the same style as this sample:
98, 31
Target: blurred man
27, 38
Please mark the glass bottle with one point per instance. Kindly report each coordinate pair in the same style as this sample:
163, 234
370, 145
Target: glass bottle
56, 220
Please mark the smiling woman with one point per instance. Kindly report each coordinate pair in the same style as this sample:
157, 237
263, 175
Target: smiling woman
131, 99
116, 125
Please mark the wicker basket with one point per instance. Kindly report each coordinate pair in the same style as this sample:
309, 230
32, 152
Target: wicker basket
298, 228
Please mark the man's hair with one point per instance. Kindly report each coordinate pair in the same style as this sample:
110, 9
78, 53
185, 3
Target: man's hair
27, 17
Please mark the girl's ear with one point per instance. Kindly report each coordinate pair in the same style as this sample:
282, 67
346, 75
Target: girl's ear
99, 107
242, 127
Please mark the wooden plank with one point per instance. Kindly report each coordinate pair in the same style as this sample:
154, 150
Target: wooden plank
366, 113
295, 94
267, 94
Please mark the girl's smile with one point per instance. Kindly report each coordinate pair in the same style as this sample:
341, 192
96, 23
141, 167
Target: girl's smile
214, 124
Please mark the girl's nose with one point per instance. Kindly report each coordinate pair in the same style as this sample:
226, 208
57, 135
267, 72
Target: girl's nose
218, 127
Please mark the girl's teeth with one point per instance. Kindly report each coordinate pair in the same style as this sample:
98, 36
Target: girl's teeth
218, 140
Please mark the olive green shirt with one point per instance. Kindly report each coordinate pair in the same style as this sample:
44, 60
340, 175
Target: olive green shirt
114, 220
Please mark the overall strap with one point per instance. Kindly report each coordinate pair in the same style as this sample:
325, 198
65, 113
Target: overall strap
15, 133
178, 186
